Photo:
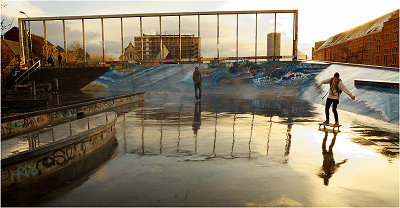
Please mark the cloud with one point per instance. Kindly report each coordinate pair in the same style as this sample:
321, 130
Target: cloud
13, 7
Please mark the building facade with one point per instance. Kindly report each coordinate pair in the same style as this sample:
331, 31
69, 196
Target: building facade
190, 47
272, 49
130, 54
373, 43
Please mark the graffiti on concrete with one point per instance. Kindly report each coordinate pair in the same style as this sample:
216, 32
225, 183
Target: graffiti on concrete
22, 125
25, 170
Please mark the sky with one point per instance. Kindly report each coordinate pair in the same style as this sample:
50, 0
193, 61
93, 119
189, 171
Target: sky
318, 20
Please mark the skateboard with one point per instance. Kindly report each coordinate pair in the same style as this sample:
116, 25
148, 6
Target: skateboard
330, 125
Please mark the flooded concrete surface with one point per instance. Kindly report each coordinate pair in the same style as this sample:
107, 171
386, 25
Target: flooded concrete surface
230, 151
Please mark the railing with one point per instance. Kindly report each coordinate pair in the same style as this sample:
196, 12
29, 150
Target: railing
28, 72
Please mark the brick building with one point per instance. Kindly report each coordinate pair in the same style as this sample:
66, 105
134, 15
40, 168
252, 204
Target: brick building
373, 43
130, 54
190, 46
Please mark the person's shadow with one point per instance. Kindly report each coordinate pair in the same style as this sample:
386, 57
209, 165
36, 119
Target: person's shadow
329, 167
197, 118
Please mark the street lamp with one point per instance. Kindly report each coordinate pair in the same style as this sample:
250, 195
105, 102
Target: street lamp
30, 35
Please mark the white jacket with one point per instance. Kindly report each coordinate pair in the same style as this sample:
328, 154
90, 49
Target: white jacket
333, 94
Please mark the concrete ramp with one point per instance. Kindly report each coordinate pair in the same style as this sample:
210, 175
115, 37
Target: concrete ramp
249, 80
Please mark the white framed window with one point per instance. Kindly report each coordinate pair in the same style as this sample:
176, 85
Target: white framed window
394, 55
385, 53
377, 60
378, 45
386, 36
396, 34
368, 43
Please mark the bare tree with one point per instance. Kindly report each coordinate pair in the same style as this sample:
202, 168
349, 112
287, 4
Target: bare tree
4, 25
348, 54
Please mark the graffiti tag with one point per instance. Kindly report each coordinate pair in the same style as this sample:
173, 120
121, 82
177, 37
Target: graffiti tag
25, 170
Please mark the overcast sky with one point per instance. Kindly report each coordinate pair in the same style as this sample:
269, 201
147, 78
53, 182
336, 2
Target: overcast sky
318, 20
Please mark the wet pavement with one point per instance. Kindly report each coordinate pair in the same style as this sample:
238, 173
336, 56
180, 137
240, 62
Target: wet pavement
230, 151
46, 136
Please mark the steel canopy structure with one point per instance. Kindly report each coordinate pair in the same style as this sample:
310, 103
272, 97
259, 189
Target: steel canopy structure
23, 31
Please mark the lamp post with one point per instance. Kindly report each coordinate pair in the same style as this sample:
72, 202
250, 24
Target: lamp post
30, 35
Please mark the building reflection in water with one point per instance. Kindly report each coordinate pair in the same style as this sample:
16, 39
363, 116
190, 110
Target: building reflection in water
329, 167
180, 118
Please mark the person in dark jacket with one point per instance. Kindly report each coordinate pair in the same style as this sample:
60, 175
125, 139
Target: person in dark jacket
59, 60
197, 79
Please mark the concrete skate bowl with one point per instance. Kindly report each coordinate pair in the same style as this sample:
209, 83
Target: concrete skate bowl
171, 83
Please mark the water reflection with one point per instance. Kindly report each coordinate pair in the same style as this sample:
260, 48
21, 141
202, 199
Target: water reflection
207, 121
197, 118
329, 167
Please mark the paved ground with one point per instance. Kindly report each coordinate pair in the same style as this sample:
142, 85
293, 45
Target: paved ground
228, 151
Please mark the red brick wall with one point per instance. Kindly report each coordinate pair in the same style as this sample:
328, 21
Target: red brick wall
367, 49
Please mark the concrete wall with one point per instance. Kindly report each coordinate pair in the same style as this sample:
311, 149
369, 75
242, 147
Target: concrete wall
15, 125
34, 167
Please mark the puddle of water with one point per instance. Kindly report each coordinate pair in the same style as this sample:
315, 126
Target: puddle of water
234, 152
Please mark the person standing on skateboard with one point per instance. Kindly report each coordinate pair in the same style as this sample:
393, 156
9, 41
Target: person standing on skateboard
197, 79
336, 87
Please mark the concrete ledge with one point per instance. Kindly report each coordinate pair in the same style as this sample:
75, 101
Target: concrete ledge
361, 65
92, 101
377, 83
57, 144
19, 124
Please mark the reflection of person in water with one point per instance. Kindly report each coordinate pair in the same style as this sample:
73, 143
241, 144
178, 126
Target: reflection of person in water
329, 166
197, 118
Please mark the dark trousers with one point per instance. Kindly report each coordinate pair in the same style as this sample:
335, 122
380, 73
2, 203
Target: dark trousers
334, 106
197, 88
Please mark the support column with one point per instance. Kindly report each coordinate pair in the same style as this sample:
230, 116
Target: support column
83, 38
102, 40
198, 35
295, 30
25, 40
237, 36
122, 40
65, 42
256, 41
218, 36
180, 41
45, 40
161, 47
275, 37
21, 42
141, 38
30, 40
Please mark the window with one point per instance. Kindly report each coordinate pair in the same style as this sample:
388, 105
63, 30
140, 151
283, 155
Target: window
385, 52
396, 34
377, 60
367, 59
386, 36
368, 43
394, 56
378, 45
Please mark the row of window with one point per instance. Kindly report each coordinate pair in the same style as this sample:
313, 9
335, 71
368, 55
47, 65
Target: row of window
385, 56
395, 35
335, 57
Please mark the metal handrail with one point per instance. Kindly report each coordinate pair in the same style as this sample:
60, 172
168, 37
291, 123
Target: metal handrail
33, 68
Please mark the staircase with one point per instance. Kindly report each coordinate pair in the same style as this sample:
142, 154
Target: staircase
27, 73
